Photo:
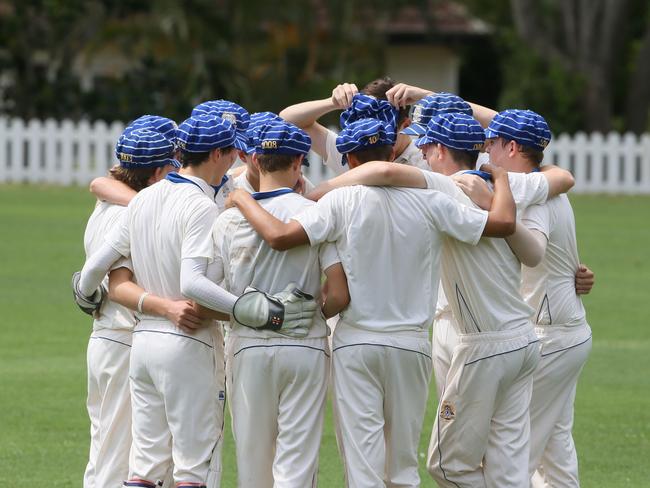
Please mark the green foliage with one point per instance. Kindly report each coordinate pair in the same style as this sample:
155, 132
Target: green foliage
43, 339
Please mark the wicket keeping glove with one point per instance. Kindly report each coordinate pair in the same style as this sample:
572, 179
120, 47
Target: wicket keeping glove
289, 312
91, 304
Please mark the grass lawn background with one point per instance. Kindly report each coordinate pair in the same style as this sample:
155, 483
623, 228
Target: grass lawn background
43, 337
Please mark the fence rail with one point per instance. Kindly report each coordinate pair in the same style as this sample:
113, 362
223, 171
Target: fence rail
69, 153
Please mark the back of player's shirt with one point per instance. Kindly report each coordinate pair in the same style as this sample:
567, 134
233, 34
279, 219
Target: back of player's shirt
550, 287
243, 259
389, 241
166, 223
103, 219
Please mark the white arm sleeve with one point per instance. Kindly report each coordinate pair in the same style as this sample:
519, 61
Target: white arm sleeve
96, 268
196, 286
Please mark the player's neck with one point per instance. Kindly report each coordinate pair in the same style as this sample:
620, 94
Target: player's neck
277, 179
254, 180
401, 144
208, 173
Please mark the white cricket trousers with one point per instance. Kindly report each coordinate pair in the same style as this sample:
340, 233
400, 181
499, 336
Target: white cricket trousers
565, 350
277, 389
443, 340
379, 391
109, 408
178, 398
481, 433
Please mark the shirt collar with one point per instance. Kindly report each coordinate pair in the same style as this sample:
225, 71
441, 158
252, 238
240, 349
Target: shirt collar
410, 153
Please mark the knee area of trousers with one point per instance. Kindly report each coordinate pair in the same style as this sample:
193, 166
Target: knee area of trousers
187, 484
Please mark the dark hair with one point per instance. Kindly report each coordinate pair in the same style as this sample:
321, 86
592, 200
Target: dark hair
465, 158
533, 155
377, 153
188, 159
377, 88
135, 178
269, 163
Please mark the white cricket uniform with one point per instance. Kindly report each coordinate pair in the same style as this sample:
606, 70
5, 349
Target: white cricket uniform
525, 189
277, 385
565, 339
176, 379
389, 241
242, 182
334, 160
480, 437
225, 189
109, 349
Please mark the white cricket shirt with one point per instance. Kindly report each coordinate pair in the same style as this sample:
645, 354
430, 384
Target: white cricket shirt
243, 259
389, 241
481, 283
550, 287
242, 182
164, 224
104, 218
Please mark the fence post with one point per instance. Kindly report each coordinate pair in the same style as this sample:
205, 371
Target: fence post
4, 140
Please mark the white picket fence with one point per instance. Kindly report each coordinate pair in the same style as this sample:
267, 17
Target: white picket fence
68, 153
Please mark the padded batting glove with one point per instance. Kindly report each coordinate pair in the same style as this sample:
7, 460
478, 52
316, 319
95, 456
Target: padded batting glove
91, 304
290, 312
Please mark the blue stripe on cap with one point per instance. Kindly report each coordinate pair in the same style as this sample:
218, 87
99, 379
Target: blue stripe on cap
281, 137
362, 134
454, 130
258, 120
203, 133
235, 114
436, 104
163, 125
144, 148
366, 107
522, 126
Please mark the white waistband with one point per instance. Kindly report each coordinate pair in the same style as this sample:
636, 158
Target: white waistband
525, 330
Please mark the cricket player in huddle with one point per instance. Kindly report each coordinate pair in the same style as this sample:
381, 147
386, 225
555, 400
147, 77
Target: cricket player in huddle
109, 347
277, 383
166, 231
559, 316
389, 241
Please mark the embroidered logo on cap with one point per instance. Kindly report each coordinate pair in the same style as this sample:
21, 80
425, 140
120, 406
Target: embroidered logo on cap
230, 117
269, 144
127, 158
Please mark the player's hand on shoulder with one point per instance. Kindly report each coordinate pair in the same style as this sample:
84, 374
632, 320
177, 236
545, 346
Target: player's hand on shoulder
496, 171
585, 280
342, 95
235, 196
476, 189
402, 94
92, 304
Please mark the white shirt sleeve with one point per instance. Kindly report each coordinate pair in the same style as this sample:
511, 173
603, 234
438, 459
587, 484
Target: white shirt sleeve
216, 269
332, 158
458, 221
528, 189
197, 240
439, 182
322, 222
196, 286
328, 255
538, 217
119, 238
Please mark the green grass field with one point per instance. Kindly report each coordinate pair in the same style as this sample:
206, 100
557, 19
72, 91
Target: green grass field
43, 422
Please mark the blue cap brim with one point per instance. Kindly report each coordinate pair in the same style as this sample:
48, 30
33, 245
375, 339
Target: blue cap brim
414, 130
175, 163
490, 133
240, 143
422, 141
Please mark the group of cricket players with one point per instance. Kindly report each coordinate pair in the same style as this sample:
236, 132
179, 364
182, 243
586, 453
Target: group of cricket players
211, 281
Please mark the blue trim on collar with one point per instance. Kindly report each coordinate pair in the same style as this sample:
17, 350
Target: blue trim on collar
224, 180
534, 170
482, 174
176, 178
261, 195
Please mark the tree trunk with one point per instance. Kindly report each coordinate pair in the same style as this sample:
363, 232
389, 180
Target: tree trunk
638, 95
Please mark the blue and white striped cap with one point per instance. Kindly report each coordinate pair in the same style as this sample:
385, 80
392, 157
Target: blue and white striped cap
163, 125
523, 126
230, 111
363, 134
367, 107
258, 120
454, 130
281, 137
435, 104
203, 133
144, 148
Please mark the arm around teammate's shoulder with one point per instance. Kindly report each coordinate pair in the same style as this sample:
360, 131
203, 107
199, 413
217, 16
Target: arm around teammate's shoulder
559, 180
502, 217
